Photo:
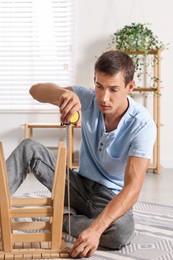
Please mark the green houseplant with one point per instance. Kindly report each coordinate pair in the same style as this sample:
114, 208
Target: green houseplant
136, 39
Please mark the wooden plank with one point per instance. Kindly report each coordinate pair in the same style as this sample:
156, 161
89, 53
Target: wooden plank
45, 245
144, 89
18, 257
36, 245
28, 254
56, 170
6, 227
8, 256
28, 257
64, 255
3, 174
4, 204
30, 212
34, 225
58, 201
27, 245
17, 202
37, 256
31, 237
43, 125
18, 245
46, 256
54, 255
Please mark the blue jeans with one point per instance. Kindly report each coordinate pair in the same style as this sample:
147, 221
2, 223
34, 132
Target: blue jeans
87, 197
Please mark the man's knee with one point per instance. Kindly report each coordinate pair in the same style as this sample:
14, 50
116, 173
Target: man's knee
119, 234
27, 142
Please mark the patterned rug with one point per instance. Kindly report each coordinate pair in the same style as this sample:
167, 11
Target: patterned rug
153, 237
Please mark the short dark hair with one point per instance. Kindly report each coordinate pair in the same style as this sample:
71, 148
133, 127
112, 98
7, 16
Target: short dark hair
115, 61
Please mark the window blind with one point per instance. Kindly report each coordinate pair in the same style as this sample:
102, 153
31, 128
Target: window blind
36, 45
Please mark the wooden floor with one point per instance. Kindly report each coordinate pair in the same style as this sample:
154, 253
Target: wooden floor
158, 188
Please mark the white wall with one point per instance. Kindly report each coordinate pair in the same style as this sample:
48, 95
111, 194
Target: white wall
95, 22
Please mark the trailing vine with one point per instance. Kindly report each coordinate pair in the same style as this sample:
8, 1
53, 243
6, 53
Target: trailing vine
137, 37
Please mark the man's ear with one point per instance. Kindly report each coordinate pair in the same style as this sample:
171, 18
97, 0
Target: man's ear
131, 85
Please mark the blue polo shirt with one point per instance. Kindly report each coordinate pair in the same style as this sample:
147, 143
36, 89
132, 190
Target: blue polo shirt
103, 156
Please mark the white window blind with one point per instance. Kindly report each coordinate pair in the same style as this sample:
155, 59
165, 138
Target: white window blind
36, 45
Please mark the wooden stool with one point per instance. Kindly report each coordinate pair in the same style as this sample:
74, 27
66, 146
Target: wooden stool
41, 239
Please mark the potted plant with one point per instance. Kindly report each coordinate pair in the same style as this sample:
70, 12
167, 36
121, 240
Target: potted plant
138, 40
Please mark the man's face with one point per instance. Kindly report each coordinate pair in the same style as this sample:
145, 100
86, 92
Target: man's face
111, 92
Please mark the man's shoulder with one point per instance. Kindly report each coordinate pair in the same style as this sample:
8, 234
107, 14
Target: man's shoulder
138, 111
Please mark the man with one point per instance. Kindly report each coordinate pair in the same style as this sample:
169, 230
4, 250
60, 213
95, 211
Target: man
117, 143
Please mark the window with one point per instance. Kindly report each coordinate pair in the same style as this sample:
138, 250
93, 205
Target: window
36, 45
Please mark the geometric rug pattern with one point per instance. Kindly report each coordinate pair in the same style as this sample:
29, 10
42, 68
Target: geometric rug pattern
153, 237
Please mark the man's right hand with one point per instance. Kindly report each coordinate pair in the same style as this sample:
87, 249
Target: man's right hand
67, 101
69, 104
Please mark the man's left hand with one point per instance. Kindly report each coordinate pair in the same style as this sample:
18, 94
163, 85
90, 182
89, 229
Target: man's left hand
86, 244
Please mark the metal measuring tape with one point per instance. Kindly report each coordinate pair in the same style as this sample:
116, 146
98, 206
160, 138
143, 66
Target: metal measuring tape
73, 120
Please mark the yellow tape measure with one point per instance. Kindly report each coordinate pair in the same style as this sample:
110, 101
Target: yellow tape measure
74, 118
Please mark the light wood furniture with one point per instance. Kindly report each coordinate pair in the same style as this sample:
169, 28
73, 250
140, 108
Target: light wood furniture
18, 241
156, 91
29, 127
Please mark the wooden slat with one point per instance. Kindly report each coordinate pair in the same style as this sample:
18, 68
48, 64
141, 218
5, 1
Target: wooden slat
25, 251
6, 227
28, 257
36, 245
64, 255
47, 256
31, 237
4, 204
144, 89
56, 169
30, 212
55, 255
8, 256
31, 202
3, 175
34, 225
43, 125
18, 257
27, 245
33, 255
37, 256
58, 201
18, 245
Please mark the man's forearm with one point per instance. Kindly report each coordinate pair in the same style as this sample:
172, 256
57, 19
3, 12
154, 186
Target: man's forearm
67, 101
121, 203
117, 207
47, 93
